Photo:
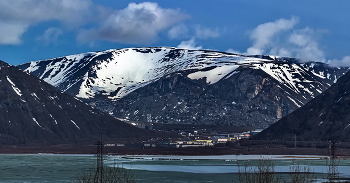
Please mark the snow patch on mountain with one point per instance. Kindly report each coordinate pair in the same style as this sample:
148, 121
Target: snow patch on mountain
75, 124
54, 75
34, 95
297, 104
126, 70
284, 74
214, 75
53, 119
129, 69
84, 91
37, 122
33, 67
17, 90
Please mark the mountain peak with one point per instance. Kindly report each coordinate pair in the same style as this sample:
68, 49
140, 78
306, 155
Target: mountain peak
112, 79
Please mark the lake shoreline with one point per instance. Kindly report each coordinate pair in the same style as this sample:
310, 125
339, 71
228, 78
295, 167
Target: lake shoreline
189, 151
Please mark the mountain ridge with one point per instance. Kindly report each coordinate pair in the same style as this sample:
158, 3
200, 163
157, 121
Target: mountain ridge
33, 112
108, 78
324, 118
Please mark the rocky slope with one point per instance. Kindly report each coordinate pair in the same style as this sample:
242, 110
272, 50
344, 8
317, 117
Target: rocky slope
169, 85
33, 112
324, 118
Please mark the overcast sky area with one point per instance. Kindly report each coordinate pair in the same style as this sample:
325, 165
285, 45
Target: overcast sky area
310, 30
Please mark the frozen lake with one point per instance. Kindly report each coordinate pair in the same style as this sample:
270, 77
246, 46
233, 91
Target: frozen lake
147, 169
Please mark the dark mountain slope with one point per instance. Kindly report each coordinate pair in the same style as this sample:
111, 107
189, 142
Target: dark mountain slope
252, 101
249, 97
32, 111
323, 118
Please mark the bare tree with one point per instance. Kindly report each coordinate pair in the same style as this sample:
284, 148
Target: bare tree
301, 173
332, 171
115, 174
264, 172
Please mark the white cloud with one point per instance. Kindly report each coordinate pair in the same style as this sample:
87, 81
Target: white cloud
17, 16
263, 34
343, 62
182, 31
230, 50
299, 43
179, 31
11, 33
190, 44
204, 33
305, 45
51, 35
282, 39
136, 24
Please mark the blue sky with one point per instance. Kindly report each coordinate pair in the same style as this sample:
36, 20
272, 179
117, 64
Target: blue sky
41, 29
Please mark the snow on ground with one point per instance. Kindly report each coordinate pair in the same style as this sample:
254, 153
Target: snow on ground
320, 123
37, 122
132, 68
33, 67
34, 95
214, 75
222, 157
17, 90
321, 75
75, 124
290, 98
84, 91
53, 119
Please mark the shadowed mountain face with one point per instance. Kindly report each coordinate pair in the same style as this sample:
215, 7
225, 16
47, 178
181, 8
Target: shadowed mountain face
323, 118
33, 112
177, 86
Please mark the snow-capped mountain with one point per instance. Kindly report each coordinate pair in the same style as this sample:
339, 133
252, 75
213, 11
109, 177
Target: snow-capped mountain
170, 85
33, 112
326, 117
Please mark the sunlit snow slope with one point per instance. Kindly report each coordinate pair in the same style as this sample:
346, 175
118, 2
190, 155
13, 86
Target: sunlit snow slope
111, 75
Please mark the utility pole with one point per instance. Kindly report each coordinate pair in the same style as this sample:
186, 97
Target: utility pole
332, 167
332, 155
295, 140
99, 157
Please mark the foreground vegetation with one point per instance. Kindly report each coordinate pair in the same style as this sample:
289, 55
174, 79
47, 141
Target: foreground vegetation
264, 172
114, 174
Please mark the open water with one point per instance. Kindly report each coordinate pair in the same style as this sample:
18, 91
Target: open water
149, 169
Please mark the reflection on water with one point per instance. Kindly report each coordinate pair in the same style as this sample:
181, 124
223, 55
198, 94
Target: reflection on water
63, 168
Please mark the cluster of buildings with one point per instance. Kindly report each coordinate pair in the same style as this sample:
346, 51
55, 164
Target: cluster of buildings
211, 140
195, 139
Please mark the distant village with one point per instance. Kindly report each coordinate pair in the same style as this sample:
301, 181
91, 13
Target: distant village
195, 139
210, 140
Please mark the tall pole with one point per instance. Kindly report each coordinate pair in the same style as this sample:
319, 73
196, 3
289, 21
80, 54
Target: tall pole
99, 154
333, 148
295, 140
333, 168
